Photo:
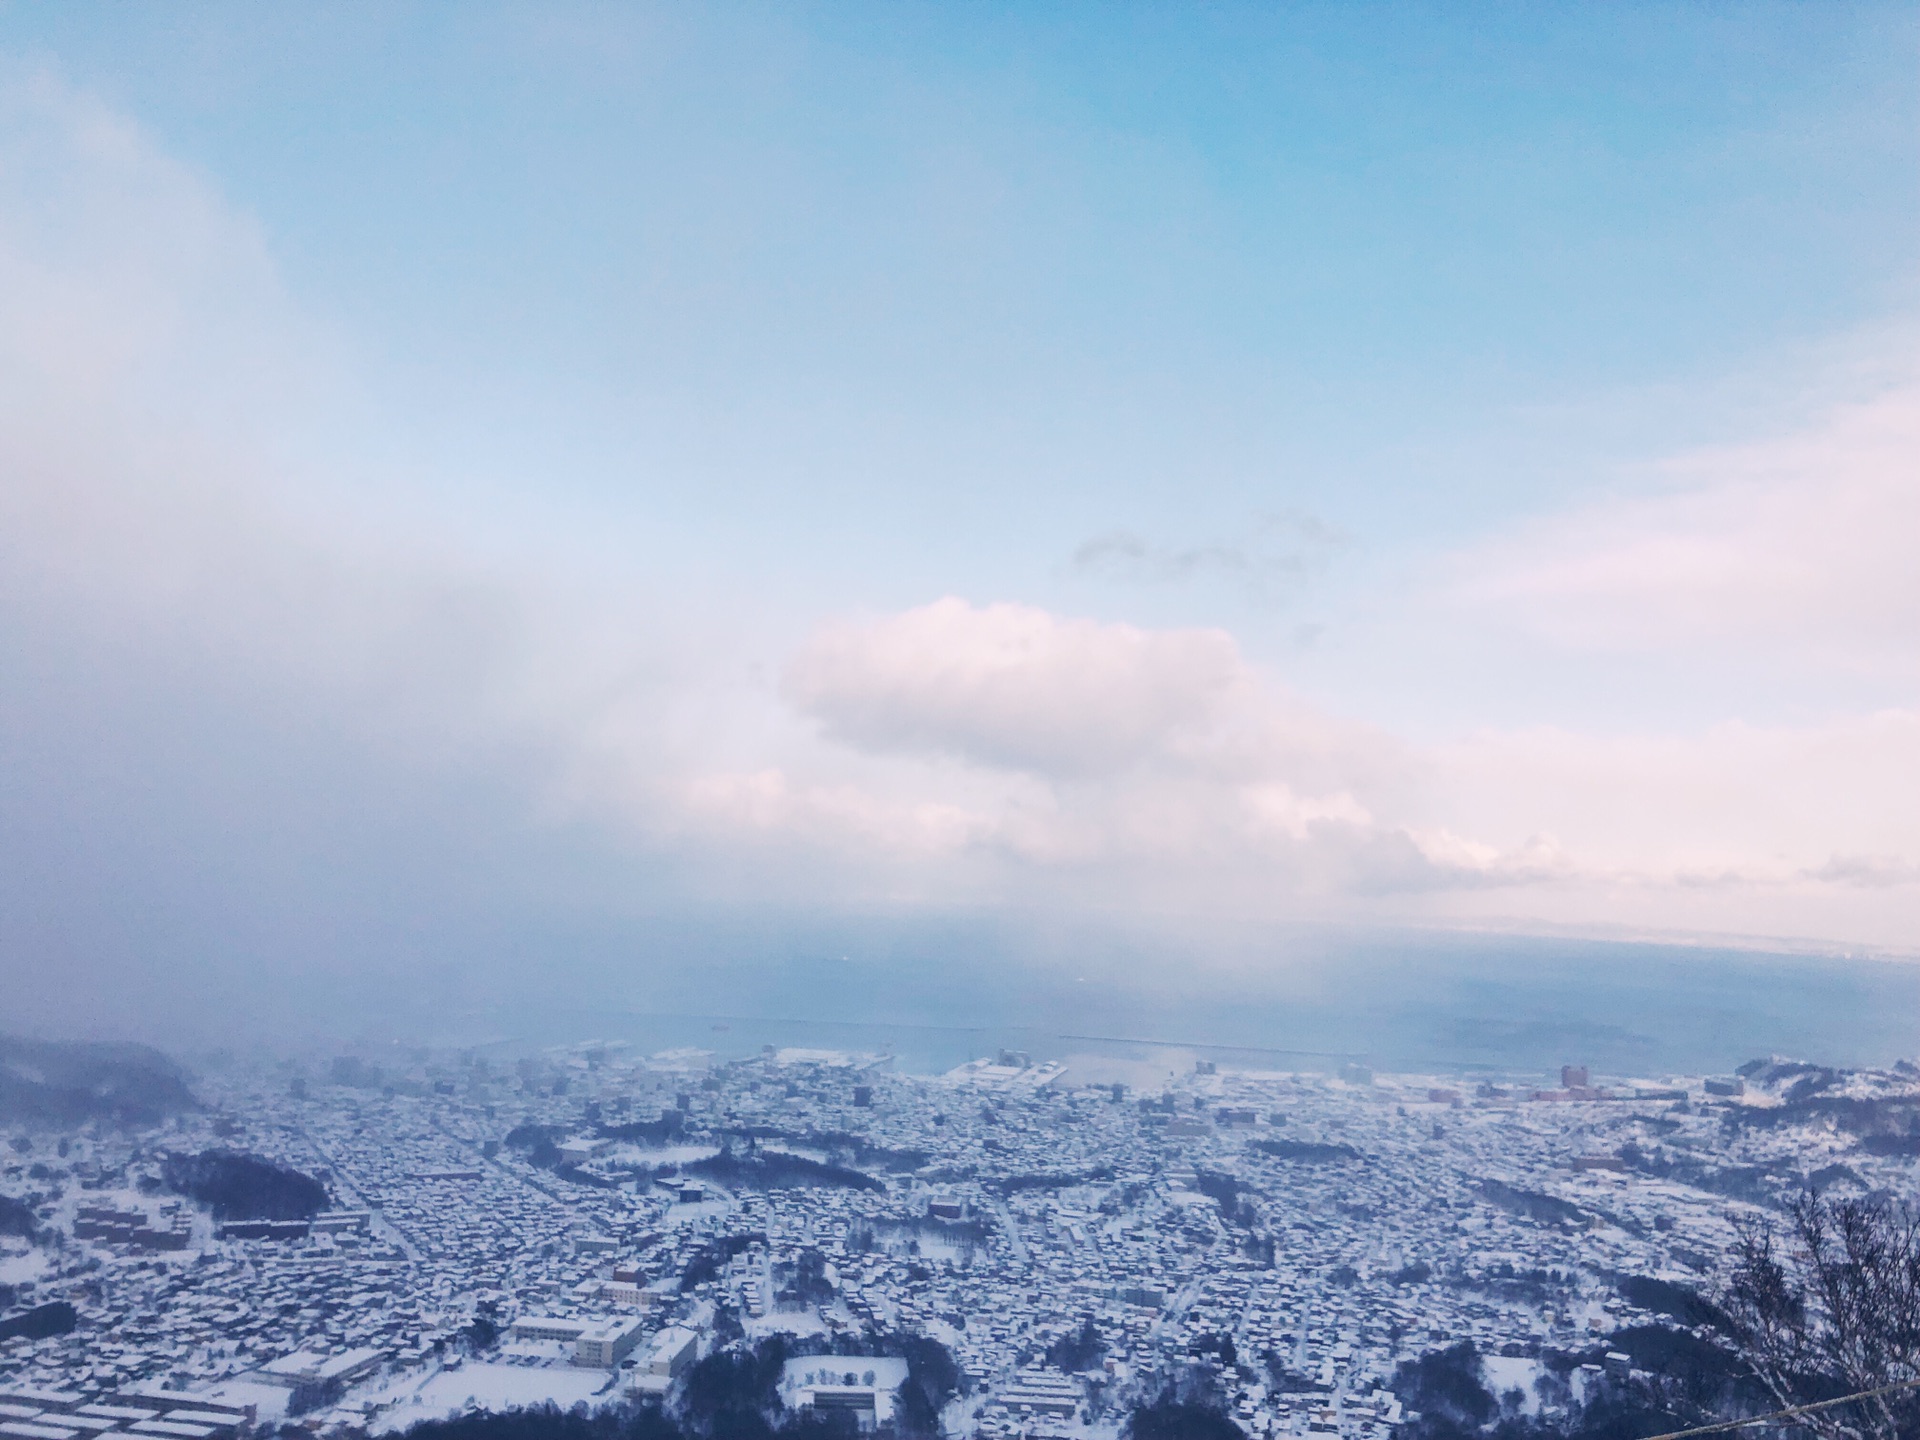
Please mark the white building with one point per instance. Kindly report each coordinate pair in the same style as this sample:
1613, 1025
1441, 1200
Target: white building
547, 1327
603, 1346
1041, 1392
863, 1386
672, 1351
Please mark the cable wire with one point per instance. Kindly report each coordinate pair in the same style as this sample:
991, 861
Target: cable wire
1725, 1425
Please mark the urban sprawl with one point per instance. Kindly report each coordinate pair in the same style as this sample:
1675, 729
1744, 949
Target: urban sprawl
583, 1226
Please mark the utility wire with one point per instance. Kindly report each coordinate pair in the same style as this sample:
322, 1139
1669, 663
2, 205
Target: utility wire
1779, 1415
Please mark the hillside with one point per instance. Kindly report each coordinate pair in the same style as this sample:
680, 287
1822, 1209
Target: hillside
55, 1082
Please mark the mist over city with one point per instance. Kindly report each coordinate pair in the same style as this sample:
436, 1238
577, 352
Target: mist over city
990, 722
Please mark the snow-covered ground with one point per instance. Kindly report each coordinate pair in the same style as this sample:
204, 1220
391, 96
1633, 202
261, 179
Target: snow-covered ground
786, 1322
21, 1267
1507, 1372
711, 1209
490, 1387
271, 1399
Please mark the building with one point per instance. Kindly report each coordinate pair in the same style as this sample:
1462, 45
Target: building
605, 1345
172, 1231
167, 1400
263, 1230
343, 1222
104, 1222
27, 1413
318, 1380
1041, 1392
671, 1352
547, 1327
861, 1386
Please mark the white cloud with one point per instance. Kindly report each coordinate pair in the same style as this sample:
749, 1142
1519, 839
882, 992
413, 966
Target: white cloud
1771, 802
1803, 831
1128, 761
1800, 547
1015, 686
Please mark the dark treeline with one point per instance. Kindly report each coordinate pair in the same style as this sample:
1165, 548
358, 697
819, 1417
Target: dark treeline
1231, 1195
236, 1186
712, 1257
1546, 1209
1013, 1184
670, 1126
649, 1422
1170, 1419
804, 1281
1888, 1115
1309, 1152
860, 1150
1683, 1378
842, 1146
57, 1318
1076, 1350
775, 1170
536, 1142
1676, 1302
16, 1217
1763, 1184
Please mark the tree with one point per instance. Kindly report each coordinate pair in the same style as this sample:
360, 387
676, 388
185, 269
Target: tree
1170, 1419
1832, 1308
933, 1378
484, 1333
1077, 1349
1447, 1387
237, 1186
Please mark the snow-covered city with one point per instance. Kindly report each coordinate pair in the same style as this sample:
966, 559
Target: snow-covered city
365, 1242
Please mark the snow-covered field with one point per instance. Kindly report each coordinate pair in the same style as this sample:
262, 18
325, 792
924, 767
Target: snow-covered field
491, 1387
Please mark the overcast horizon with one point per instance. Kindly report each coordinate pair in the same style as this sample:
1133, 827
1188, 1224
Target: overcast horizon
483, 489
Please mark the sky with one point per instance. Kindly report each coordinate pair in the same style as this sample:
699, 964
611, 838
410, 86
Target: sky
477, 477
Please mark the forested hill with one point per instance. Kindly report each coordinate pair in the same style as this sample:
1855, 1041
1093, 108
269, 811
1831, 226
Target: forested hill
53, 1082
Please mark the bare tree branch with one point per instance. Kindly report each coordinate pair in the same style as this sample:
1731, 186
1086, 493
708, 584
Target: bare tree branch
1833, 1308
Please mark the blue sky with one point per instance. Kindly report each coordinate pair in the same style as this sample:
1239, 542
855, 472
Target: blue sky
1448, 463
